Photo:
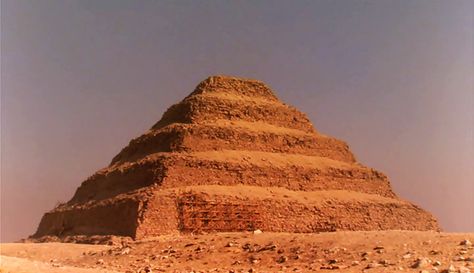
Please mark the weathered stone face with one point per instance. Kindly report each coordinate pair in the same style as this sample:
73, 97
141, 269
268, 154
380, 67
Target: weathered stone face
232, 157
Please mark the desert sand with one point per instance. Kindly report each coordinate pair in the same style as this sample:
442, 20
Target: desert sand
345, 251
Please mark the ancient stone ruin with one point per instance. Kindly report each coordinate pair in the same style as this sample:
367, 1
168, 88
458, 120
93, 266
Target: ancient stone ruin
232, 157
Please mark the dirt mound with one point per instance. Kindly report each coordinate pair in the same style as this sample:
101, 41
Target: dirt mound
232, 157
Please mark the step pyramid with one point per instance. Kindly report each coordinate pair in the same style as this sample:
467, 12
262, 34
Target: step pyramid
232, 157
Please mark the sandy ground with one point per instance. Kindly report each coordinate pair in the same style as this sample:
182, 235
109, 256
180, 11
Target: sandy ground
381, 251
20, 265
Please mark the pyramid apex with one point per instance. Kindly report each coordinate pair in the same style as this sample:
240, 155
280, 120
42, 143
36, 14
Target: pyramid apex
234, 85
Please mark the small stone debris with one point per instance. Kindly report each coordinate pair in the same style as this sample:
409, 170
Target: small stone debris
355, 263
254, 260
230, 244
296, 250
54, 263
100, 262
270, 247
385, 263
465, 242
146, 269
331, 267
450, 269
406, 256
248, 247
421, 263
125, 251
437, 263
282, 259
198, 249
257, 231
373, 265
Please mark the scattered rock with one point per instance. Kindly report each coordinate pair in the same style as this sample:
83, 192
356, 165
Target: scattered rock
373, 265
385, 262
282, 259
421, 263
54, 263
267, 247
125, 251
465, 242
254, 260
331, 267
463, 269
450, 269
257, 231
146, 269
230, 244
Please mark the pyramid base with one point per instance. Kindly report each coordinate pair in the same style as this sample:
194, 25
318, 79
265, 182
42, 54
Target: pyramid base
149, 213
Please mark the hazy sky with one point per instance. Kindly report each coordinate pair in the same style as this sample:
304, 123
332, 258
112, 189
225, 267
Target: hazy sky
392, 78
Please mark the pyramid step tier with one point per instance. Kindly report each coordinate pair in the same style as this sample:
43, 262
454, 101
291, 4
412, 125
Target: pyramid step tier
208, 107
222, 134
147, 213
230, 167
